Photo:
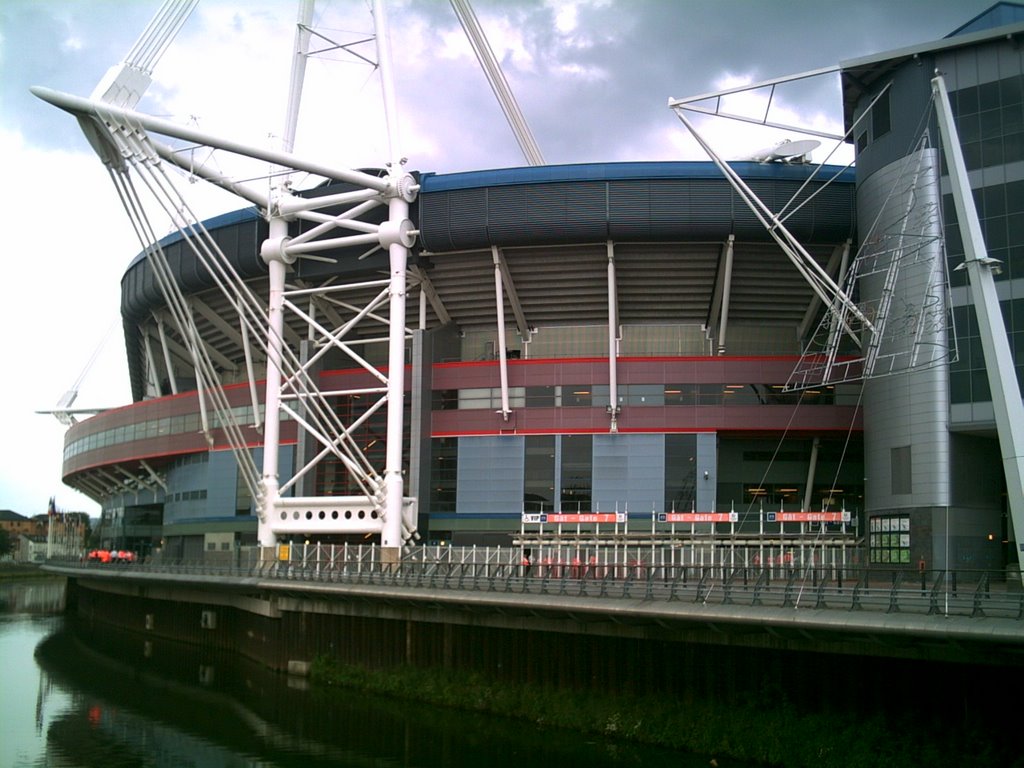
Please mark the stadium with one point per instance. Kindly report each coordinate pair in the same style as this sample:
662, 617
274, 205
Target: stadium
611, 339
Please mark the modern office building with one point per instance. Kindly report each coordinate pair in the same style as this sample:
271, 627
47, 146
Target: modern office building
932, 462
651, 325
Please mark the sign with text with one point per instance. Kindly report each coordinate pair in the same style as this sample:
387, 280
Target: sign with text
579, 517
698, 517
808, 517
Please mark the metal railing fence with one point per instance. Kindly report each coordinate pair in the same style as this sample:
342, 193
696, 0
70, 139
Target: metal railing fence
667, 575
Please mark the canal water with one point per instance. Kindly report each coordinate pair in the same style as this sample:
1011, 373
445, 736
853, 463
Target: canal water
75, 696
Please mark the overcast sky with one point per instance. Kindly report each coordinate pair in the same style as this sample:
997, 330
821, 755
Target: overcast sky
592, 79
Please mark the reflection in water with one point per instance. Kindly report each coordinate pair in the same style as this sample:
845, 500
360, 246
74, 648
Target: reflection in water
229, 713
36, 596
111, 699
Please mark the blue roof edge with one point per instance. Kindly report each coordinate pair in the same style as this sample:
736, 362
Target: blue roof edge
546, 174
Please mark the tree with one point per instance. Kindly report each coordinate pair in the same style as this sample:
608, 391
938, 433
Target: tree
5, 542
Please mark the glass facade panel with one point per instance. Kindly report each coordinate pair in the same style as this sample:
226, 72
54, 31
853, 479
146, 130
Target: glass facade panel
444, 466
578, 395
680, 472
643, 394
576, 469
540, 397
539, 474
476, 398
680, 394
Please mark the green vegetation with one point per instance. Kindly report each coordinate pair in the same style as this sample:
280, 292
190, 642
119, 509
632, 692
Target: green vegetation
775, 735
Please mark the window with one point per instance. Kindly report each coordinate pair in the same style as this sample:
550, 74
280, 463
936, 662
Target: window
889, 539
539, 474
540, 397
680, 394
680, 472
444, 474
577, 469
577, 395
880, 117
901, 474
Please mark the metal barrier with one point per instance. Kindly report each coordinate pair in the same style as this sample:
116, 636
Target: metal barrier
584, 574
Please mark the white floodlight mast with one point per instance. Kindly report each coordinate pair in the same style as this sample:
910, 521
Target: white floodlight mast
122, 139
302, 35
1002, 379
398, 235
277, 262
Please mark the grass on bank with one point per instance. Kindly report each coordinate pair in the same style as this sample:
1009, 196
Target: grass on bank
775, 734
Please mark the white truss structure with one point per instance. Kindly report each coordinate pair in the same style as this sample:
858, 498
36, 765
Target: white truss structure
908, 325
900, 265
124, 140
899, 331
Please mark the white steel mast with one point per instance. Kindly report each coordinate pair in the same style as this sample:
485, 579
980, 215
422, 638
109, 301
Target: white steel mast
393, 518
124, 141
277, 264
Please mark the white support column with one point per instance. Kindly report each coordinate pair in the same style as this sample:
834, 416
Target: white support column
499, 300
1002, 379
613, 346
398, 236
273, 254
398, 253
423, 308
726, 291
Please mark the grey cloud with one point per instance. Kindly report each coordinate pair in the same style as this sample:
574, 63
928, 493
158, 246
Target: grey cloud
650, 50
657, 49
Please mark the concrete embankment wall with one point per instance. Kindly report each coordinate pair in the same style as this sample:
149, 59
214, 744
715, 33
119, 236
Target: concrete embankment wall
288, 630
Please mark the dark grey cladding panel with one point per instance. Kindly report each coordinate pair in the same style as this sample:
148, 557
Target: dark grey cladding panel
239, 241
556, 213
690, 209
458, 219
632, 205
624, 210
134, 351
834, 206
242, 244
130, 304
570, 212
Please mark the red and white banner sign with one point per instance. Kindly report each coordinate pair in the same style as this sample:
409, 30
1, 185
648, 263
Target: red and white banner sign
812, 517
587, 517
581, 517
698, 517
